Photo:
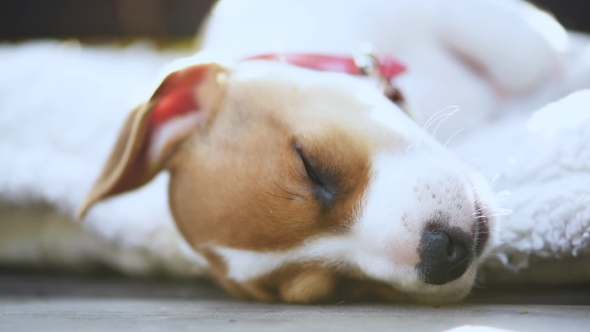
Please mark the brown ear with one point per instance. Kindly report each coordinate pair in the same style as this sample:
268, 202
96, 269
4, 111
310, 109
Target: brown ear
183, 102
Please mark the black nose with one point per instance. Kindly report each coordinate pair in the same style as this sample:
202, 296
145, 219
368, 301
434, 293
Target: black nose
445, 254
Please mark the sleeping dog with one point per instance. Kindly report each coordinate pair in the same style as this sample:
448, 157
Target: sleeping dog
287, 180
302, 186
299, 185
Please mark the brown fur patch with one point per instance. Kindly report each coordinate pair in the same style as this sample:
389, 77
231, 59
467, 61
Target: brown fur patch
257, 194
241, 184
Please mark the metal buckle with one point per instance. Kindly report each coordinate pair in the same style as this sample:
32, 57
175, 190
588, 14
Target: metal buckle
368, 64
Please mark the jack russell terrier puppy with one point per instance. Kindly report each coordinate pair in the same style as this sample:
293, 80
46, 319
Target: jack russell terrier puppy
304, 185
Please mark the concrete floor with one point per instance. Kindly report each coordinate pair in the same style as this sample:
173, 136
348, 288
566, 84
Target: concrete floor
32, 302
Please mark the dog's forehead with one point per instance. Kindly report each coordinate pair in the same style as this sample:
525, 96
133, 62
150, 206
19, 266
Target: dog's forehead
265, 69
311, 98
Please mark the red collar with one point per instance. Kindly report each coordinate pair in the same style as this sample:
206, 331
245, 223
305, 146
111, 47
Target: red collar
388, 67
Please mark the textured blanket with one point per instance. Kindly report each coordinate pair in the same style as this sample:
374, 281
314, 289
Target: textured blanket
540, 163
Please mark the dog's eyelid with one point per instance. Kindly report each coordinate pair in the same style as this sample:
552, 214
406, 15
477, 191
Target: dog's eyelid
322, 178
310, 170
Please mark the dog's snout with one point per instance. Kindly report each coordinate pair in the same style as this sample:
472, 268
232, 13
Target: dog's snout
445, 254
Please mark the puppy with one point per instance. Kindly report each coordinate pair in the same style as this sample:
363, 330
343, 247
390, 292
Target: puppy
303, 186
294, 184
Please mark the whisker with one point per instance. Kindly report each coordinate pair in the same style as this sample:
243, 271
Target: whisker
428, 123
480, 209
442, 121
288, 192
502, 195
437, 118
431, 119
494, 180
291, 199
450, 138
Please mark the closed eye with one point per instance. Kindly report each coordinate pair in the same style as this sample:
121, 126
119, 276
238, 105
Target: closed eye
309, 170
322, 184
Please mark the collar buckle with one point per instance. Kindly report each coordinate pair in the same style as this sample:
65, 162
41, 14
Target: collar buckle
370, 65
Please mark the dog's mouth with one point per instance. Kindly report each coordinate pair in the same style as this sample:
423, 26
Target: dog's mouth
481, 228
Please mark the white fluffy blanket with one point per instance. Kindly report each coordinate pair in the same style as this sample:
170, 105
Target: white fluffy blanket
50, 90
61, 106
541, 162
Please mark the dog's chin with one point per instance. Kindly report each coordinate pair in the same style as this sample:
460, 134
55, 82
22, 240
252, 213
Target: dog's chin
454, 291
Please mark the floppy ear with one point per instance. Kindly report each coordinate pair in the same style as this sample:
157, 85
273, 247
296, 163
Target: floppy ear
184, 101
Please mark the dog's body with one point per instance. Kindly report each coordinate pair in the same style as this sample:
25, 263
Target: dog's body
475, 55
301, 186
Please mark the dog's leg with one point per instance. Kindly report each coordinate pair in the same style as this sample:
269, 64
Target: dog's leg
510, 42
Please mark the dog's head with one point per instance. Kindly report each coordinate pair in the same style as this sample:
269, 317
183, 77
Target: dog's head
302, 186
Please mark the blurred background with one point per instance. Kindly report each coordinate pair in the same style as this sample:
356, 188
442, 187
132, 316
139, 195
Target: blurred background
98, 19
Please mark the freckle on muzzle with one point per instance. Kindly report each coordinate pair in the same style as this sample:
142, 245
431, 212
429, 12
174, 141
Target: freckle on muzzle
445, 254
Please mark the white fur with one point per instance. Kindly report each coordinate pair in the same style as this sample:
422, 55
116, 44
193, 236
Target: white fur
509, 39
327, 250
